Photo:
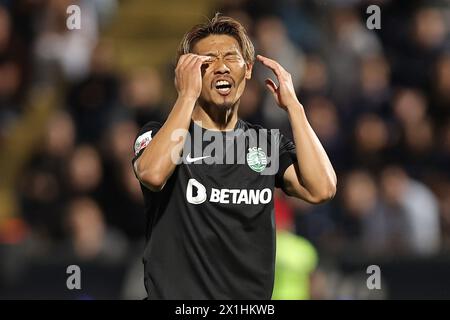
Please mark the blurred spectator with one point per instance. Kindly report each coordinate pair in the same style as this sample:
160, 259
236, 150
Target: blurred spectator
419, 205
410, 106
92, 99
443, 155
116, 141
371, 142
323, 117
60, 136
375, 94
84, 171
419, 148
105, 10
315, 79
358, 223
14, 47
429, 28
142, 95
125, 209
425, 38
10, 82
399, 218
59, 50
89, 237
442, 192
43, 186
5, 30
42, 202
417, 145
440, 84
250, 106
12, 71
321, 285
352, 42
301, 19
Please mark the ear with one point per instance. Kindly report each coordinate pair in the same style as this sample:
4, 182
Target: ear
248, 70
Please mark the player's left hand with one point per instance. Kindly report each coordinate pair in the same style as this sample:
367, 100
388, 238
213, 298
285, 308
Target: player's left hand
284, 94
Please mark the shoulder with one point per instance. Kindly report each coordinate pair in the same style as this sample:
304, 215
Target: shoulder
151, 125
145, 135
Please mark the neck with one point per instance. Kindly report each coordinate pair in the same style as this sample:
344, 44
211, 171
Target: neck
214, 118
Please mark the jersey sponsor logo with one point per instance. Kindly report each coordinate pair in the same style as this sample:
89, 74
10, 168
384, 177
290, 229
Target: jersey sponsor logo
196, 194
256, 159
190, 160
142, 141
200, 196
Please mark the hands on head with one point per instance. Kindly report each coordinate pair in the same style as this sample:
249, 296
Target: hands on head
284, 94
188, 79
188, 75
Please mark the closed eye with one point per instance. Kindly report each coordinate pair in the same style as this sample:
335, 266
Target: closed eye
228, 57
232, 58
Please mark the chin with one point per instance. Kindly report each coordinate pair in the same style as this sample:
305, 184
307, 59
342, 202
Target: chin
225, 102
219, 102
224, 105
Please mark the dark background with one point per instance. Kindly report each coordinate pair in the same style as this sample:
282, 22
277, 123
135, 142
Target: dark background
72, 101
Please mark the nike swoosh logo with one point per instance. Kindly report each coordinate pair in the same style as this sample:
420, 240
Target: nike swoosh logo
189, 159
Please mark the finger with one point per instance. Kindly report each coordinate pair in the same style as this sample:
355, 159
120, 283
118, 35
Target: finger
198, 63
198, 59
189, 60
271, 85
206, 60
271, 64
265, 59
195, 65
204, 57
182, 59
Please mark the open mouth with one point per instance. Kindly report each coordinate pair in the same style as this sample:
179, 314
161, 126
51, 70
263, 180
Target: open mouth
223, 86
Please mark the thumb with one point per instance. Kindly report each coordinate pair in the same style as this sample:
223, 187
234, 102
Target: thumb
271, 85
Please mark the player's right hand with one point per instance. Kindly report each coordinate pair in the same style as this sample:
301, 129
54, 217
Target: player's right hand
188, 75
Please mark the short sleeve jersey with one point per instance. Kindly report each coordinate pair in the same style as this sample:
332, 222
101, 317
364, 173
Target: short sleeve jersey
210, 231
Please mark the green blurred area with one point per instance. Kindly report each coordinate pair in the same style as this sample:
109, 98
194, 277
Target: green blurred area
296, 260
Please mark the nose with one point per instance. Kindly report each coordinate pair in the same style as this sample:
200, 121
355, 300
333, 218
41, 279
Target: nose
220, 67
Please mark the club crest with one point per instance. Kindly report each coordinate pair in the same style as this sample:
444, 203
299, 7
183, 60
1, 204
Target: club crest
256, 159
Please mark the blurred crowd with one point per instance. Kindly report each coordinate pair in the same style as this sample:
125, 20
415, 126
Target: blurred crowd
379, 101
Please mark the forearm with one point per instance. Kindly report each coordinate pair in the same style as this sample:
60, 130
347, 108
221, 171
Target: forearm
316, 172
158, 161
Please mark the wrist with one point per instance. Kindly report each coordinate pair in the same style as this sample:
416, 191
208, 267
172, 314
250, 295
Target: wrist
294, 107
186, 98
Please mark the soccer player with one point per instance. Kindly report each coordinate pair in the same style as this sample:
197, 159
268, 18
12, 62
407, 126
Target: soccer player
210, 220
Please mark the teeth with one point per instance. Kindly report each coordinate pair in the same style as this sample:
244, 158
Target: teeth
222, 83
223, 89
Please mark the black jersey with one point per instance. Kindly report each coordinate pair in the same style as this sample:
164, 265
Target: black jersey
211, 229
